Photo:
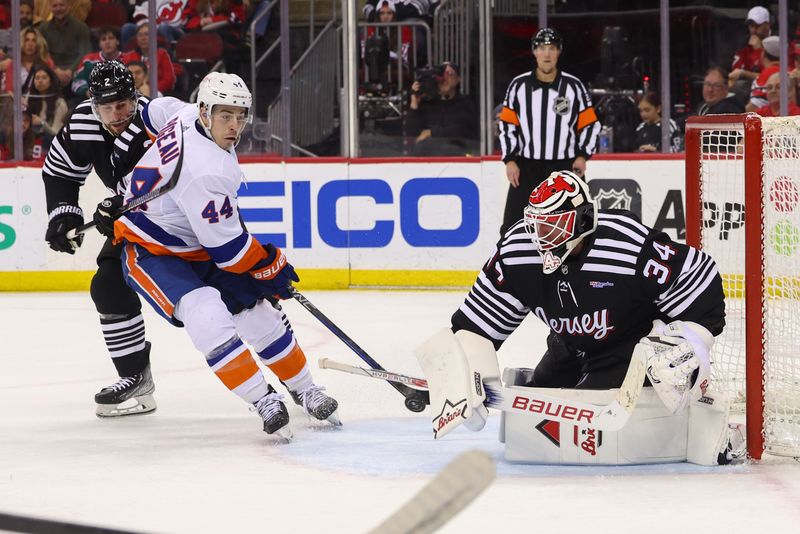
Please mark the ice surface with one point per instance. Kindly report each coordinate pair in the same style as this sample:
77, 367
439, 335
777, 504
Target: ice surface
201, 464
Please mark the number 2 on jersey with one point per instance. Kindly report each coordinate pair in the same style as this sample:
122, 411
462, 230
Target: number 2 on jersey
210, 211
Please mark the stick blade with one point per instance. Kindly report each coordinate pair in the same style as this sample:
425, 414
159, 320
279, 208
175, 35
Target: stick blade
455, 487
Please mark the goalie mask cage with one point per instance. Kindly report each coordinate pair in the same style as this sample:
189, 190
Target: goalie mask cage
743, 207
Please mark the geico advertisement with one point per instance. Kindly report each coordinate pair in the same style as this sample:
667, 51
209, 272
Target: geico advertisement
376, 216
389, 216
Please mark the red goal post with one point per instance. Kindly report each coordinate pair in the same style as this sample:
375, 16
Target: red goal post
743, 208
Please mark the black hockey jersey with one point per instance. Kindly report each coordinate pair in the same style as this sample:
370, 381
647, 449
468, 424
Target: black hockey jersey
602, 302
84, 143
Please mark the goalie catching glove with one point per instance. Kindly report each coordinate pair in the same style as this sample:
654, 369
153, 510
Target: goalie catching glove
275, 273
678, 361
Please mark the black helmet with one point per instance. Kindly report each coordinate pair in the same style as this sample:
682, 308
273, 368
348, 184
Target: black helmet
111, 81
546, 36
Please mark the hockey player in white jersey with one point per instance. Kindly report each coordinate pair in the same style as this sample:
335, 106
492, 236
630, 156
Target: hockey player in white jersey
612, 291
188, 254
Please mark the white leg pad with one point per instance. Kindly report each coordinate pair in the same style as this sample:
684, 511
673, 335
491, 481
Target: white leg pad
652, 435
708, 428
456, 366
205, 318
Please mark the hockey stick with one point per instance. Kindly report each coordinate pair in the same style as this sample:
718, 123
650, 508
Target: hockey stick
450, 491
612, 416
389, 376
416, 399
138, 201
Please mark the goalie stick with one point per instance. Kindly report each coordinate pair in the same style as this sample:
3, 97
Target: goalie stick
140, 200
416, 399
611, 417
450, 491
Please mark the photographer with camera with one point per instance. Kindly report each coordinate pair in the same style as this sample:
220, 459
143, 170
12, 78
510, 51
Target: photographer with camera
444, 121
547, 124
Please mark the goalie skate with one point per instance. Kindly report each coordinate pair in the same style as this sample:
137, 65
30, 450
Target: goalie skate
735, 451
273, 411
317, 404
130, 395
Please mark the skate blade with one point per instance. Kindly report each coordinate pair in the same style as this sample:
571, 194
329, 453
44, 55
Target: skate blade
135, 406
334, 419
284, 433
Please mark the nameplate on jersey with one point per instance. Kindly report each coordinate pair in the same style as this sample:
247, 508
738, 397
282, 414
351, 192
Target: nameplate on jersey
159, 162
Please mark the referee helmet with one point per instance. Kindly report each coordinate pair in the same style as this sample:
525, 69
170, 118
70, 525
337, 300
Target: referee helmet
546, 36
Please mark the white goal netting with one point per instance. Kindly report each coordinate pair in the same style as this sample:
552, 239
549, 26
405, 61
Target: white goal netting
723, 164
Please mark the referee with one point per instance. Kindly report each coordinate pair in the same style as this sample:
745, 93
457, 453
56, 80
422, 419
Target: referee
547, 124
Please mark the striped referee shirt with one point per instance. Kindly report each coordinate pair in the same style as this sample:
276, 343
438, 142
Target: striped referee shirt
547, 121
601, 302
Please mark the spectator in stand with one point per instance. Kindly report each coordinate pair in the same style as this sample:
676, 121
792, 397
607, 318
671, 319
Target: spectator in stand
387, 11
25, 13
773, 107
648, 133
139, 71
716, 97
48, 108
747, 61
170, 15
445, 123
31, 145
43, 11
408, 10
166, 71
224, 17
771, 62
5, 17
109, 49
34, 53
68, 38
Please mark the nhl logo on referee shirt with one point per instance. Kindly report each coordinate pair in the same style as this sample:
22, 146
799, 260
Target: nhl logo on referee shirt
561, 105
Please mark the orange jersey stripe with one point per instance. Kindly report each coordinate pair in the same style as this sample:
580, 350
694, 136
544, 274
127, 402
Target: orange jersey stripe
122, 232
255, 253
145, 283
586, 117
508, 115
238, 371
290, 365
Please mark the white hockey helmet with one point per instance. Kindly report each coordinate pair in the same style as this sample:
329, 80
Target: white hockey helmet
222, 88
560, 212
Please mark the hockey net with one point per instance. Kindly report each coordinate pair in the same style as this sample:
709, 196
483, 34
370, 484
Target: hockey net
743, 207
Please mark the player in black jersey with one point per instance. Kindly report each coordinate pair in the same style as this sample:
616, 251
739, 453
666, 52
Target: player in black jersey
604, 284
106, 133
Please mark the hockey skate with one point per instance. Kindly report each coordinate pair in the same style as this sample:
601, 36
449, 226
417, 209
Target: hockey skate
130, 395
317, 404
735, 452
273, 411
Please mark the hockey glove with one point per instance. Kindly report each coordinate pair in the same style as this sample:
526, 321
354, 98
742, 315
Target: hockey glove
106, 213
678, 361
275, 273
63, 218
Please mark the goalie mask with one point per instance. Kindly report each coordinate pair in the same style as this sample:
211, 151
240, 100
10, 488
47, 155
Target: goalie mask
559, 214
